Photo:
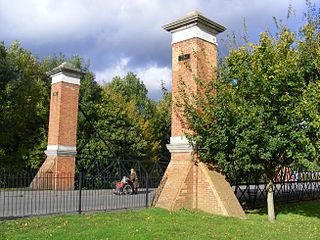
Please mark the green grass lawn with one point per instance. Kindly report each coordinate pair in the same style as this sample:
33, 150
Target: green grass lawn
294, 221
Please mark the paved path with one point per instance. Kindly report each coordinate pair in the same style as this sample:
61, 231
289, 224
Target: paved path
30, 202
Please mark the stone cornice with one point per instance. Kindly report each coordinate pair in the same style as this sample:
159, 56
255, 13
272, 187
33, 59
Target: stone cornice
60, 150
179, 144
180, 148
195, 18
67, 69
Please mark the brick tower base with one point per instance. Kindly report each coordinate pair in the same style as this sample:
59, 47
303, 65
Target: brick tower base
56, 173
187, 184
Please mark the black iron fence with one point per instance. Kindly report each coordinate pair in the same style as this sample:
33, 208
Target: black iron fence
299, 186
23, 195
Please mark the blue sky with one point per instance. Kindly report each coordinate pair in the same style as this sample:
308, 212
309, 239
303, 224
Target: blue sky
127, 35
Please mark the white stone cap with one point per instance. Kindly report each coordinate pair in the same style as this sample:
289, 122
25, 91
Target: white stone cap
61, 150
195, 18
179, 144
194, 24
66, 72
179, 140
192, 32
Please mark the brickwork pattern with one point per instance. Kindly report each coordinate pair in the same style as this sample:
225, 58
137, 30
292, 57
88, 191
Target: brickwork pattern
57, 172
201, 65
190, 183
187, 194
176, 174
208, 198
63, 114
193, 185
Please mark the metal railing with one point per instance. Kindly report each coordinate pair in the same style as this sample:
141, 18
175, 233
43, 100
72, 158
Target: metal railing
302, 186
20, 196
23, 195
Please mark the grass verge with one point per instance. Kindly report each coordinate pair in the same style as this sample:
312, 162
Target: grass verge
294, 221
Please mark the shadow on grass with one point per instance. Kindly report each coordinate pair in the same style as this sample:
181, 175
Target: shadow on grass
307, 209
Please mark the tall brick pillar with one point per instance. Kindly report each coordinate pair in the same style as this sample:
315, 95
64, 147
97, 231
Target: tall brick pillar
57, 172
188, 182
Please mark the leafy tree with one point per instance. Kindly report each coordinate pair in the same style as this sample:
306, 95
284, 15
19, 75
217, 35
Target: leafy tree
24, 97
161, 124
115, 121
153, 117
262, 113
114, 134
132, 89
24, 104
114, 126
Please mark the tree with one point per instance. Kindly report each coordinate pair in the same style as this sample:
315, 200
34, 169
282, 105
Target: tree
113, 133
24, 104
153, 117
161, 124
115, 121
262, 113
132, 89
24, 95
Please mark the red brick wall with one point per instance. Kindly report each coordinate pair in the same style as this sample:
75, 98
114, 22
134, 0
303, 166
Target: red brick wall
187, 194
202, 64
57, 172
63, 114
193, 185
208, 197
176, 174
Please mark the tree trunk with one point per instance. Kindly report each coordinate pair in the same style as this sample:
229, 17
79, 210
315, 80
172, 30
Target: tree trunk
270, 202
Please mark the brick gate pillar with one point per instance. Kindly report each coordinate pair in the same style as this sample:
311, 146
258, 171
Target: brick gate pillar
57, 172
188, 182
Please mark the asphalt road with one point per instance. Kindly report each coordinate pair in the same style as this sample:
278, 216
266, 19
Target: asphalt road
17, 203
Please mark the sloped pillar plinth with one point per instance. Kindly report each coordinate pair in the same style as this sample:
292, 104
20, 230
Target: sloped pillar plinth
191, 184
56, 173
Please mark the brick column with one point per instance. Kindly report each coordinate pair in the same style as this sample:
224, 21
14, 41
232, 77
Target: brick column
57, 172
188, 182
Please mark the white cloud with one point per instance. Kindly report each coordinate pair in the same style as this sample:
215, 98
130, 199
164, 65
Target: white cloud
151, 75
118, 69
111, 24
72, 19
76, 19
105, 31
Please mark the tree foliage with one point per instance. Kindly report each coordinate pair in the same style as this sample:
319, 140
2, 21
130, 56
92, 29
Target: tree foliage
132, 89
263, 110
115, 121
123, 125
262, 113
24, 93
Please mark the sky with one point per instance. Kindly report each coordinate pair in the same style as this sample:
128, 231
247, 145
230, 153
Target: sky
122, 36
